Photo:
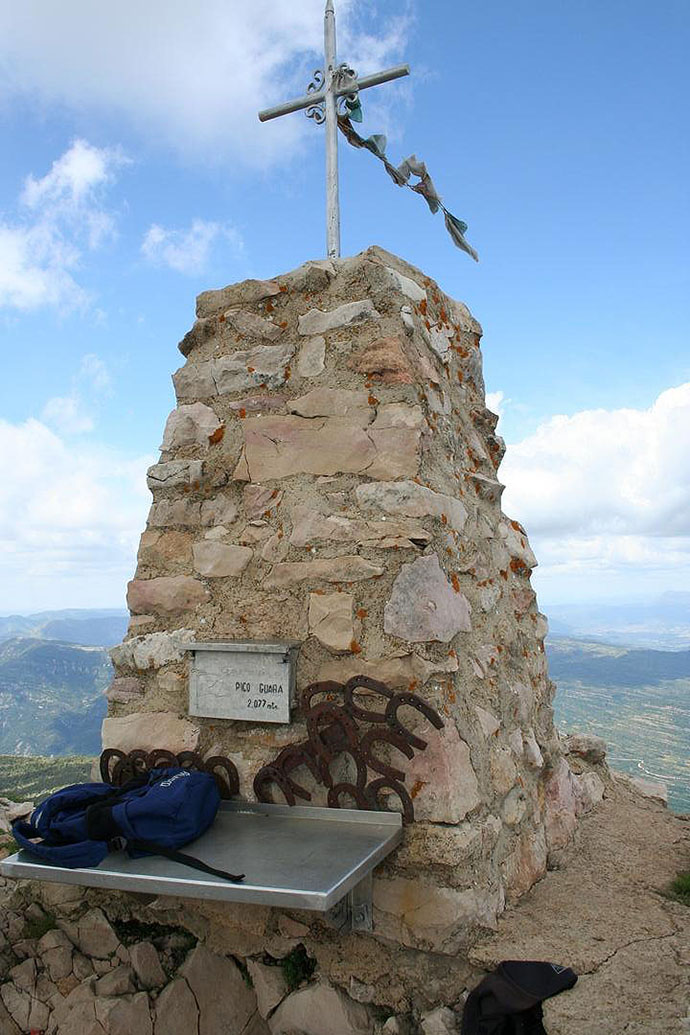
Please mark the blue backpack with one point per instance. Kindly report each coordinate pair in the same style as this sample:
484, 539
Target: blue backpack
151, 815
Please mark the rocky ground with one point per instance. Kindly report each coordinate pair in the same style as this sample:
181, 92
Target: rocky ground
604, 912
83, 965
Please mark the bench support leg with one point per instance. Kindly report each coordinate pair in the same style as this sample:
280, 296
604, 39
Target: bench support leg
360, 902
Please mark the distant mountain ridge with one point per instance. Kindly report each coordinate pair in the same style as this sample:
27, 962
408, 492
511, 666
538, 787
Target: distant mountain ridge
99, 627
660, 624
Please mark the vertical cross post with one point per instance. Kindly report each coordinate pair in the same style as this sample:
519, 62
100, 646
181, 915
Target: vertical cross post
321, 103
332, 199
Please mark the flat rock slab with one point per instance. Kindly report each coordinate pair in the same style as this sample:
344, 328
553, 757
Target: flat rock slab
603, 913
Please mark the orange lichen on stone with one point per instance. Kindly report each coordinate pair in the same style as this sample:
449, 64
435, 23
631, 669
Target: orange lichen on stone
455, 582
217, 436
362, 612
355, 647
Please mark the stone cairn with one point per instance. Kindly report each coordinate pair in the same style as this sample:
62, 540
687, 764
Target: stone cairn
329, 477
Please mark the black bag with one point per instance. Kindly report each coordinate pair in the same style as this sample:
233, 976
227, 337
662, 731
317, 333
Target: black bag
508, 1002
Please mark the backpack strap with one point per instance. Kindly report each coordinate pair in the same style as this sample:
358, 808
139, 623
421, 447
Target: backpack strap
150, 848
78, 855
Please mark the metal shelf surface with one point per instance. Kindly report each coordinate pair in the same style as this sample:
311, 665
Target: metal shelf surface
297, 857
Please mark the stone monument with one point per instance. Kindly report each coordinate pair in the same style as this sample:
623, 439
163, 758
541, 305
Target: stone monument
328, 480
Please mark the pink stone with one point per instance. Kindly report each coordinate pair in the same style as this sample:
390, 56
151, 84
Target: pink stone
424, 606
277, 447
443, 776
258, 499
166, 594
560, 806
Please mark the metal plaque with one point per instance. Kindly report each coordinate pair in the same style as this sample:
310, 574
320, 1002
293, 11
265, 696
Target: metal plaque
253, 682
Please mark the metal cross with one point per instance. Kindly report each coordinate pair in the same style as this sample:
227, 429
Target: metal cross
331, 85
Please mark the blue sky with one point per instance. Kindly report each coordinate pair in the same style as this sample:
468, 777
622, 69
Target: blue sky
135, 174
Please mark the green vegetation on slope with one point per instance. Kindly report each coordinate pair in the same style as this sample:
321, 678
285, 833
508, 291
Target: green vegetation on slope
33, 778
637, 700
51, 697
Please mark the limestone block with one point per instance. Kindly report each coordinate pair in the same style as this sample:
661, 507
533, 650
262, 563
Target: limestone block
560, 806
166, 595
249, 325
190, 426
276, 447
488, 722
149, 730
331, 569
92, 933
488, 489
425, 916
348, 315
410, 288
275, 549
334, 402
311, 277
308, 526
514, 806
320, 1009
441, 1021
124, 690
411, 500
169, 551
152, 651
526, 864
26, 1011
258, 499
263, 366
503, 771
383, 360
7, 1024
174, 474
246, 292
58, 961
541, 626
440, 336
397, 671
589, 791
226, 1003
424, 606
147, 965
257, 404
587, 746
219, 510
124, 1016
24, 976
330, 619
533, 755
183, 512
116, 982
311, 358
217, 560
396, 434
176, 1010
269, 984
447, 788
515, 538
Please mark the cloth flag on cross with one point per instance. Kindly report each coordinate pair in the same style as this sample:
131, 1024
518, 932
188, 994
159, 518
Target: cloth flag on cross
339, 84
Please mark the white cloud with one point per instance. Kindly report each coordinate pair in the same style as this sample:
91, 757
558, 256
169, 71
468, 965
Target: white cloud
607, 492
195, 74
57, 218
495, 401
65, 413
70, 518
69, 414
187, 251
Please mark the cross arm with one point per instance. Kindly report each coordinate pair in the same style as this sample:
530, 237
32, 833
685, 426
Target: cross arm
376, 79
